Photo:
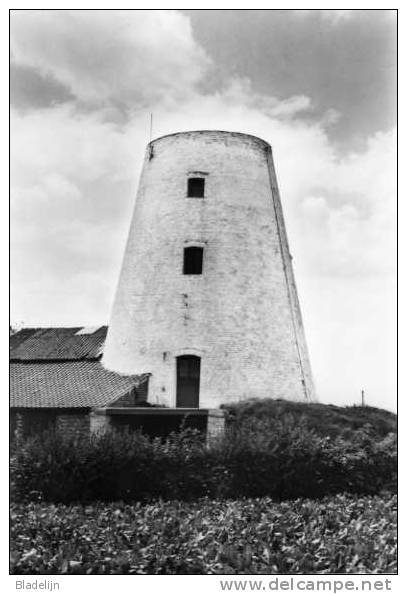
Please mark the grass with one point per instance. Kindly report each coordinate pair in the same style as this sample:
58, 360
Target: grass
326, 420
338, 534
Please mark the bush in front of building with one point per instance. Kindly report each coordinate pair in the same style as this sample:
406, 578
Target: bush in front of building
280, 458
117, 465
284, 458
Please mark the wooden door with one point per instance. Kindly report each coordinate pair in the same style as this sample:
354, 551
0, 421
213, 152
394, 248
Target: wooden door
188, 374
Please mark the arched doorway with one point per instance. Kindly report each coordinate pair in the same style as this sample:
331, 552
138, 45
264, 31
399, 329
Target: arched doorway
188, 375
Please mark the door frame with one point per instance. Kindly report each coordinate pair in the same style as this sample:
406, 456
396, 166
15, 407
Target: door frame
188, 386
179, 353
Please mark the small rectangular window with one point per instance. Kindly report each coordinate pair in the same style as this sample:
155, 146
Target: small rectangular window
196, 187
193, 257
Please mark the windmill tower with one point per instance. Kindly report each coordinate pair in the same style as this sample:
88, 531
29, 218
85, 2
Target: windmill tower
206, 301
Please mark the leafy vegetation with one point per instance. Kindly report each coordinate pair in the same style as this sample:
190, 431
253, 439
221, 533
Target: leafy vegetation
284, 458
326, 420
277, 457
340, 534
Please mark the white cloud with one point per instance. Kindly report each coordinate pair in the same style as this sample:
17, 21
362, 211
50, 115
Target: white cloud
292, 105
332, 16
338, 16
354, 210
122, 58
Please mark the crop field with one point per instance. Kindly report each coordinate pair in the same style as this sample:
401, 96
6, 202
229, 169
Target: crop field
336, 534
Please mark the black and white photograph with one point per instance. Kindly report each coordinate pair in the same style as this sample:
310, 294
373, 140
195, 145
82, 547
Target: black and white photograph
203, 282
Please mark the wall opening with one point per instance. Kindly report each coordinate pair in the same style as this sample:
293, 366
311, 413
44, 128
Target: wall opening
188, 377
196, 187
193, 259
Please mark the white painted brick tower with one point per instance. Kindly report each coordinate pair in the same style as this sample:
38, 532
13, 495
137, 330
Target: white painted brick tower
206, 300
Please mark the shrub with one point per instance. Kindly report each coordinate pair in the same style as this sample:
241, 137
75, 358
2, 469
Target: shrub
281, 458
118, 465
327, 420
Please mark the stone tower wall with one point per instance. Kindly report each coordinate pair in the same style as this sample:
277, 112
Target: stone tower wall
241, 316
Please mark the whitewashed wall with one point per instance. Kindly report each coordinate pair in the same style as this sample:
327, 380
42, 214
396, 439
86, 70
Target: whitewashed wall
241, 316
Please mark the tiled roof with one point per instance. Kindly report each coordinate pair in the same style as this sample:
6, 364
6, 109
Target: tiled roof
77, 384
57, 344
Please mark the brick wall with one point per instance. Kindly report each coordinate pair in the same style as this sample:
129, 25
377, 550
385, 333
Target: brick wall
241, 316
73, 425
215, 425
26, 422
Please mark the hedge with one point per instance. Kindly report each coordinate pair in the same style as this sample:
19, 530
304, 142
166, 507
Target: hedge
280, 458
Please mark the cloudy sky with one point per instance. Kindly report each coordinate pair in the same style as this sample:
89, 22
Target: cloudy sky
319, 86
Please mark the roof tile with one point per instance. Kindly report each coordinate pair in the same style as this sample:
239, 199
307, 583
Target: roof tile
78, 384
57, 344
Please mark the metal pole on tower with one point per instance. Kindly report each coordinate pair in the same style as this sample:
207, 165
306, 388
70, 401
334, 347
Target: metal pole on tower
363, 398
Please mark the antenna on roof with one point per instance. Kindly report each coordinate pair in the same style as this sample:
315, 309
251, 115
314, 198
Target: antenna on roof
150, 146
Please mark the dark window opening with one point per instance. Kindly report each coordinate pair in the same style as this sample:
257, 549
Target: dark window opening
196, 187
193, 257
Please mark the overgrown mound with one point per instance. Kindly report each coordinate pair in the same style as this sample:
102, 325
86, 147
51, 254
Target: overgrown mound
325, 419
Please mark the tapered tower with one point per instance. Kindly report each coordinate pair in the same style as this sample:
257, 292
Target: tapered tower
206, 301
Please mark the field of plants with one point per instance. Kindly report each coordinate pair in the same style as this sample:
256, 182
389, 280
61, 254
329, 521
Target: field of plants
340, 534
